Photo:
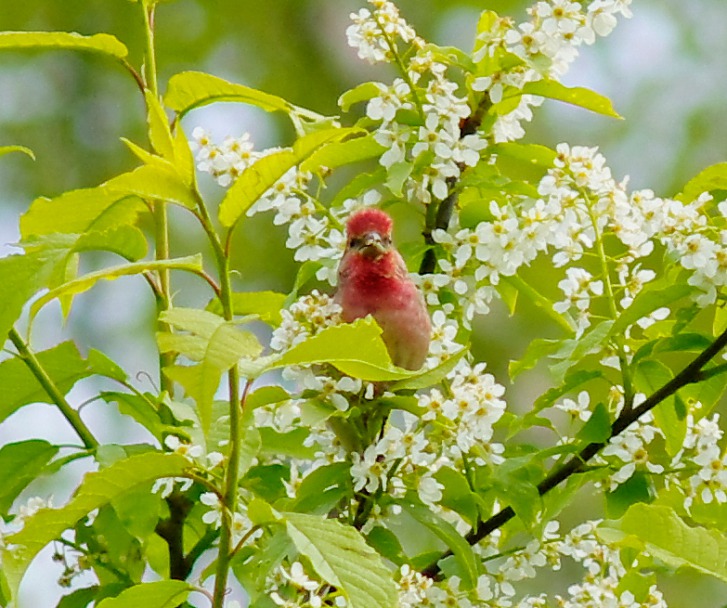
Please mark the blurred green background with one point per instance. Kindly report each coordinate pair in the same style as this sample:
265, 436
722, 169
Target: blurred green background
664, 69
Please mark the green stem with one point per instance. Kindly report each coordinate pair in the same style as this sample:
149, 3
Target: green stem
36, 368
225, 553
613, 310
159, 209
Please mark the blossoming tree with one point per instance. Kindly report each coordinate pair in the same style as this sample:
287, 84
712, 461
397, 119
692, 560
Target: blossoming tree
339, 479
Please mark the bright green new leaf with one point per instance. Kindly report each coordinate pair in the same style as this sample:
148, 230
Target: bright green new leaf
264, 304
159, 594
21, 277
341, 557
649, 376
96, 490
665, 536
262, 175
342, 153
21, 463
362, 92
189, 90
22, 149
160, 135
153, 182
577, 96
191, 263
354, 348
708, 180
217, 344
79, 211
429, 377
447, 533
97, 43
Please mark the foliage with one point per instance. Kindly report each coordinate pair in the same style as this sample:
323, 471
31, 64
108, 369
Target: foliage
346, 481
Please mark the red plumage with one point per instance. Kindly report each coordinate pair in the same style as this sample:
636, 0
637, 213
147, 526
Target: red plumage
373, 280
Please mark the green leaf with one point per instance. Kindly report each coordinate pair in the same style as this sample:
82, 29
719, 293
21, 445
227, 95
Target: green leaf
649, 376
160, 135
647, 301
514, 485
189, 90
598, 427
21, 277
96, 490
262, 175
664, 535
8, 149
97, 43
137, 408
634, 490
362, 92
708, 180
537, 350
354, 348
322, 489
457, 494
573, 351
342, 153
385, 542
80, 211
217, 345
577, 96
341, 557
20, 464
429, 377
447, 533
62, 363
264, 304
153, 182
160, 594
191, 263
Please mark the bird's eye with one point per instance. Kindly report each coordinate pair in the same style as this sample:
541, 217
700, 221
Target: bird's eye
355, 242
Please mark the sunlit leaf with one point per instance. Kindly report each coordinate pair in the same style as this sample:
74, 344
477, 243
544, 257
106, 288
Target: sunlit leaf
710, 179
341, 557
577, 96
160, 135
355, 349
362, 92
342, 153
262, 175
153, 182
8, 149
97, 43
191, 264
189, 90
265, 304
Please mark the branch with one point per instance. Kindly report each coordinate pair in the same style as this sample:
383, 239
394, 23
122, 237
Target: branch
50, 387
440, 218
691, 374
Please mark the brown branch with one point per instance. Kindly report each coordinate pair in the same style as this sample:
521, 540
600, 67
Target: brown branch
691, 374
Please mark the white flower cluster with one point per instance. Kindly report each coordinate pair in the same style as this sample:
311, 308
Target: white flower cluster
416, 590
546, 45
701, 452
293, 588
604, 568
437, 147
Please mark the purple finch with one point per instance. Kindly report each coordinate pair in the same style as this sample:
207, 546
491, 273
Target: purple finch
373, 280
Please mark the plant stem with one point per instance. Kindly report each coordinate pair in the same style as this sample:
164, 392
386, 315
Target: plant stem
620, 349
224, 552
35, 366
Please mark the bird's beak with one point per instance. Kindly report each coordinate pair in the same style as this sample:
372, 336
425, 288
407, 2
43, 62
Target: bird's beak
373, 245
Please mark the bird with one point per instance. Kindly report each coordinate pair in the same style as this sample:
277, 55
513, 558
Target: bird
373, 280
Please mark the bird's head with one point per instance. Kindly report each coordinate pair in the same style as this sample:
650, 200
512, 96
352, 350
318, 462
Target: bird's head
369, 233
